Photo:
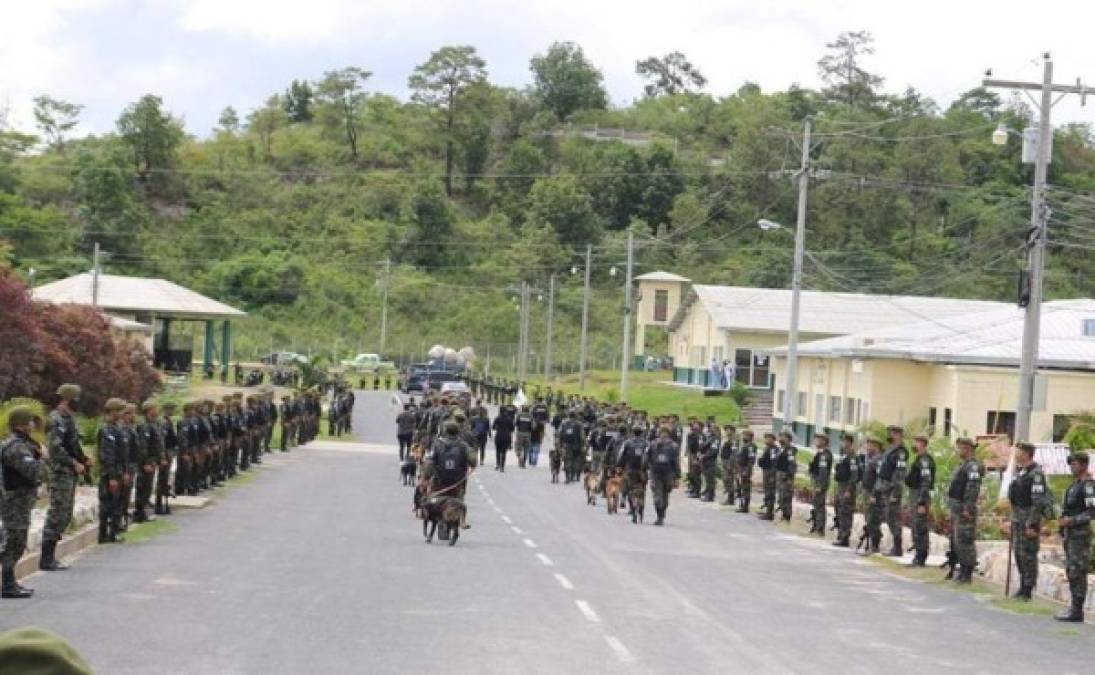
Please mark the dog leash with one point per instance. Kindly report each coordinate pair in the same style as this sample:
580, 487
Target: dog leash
453, 486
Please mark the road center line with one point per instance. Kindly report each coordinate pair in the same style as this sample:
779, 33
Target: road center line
530, 543
587, 611
618, 647
506, 520
564, 582
516, 530
544, 559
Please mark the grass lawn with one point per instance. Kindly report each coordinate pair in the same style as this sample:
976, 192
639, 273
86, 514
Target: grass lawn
646, 391
139, 532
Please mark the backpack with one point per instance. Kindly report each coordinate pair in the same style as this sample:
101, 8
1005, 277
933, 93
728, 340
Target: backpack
661, 457
450, 463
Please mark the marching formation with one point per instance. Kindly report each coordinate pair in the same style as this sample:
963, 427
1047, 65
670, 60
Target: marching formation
145, 458
615, 452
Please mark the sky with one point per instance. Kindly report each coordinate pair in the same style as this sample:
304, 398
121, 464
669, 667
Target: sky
201, 55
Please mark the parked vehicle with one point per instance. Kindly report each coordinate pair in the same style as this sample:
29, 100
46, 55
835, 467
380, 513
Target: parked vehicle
284, 359
415, 383
454, 388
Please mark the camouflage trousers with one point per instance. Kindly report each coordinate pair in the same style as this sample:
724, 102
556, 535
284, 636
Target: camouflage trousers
745, 485
769, 477
695, 474
1077, 561
964, 535
730, 479
785, 493
660, 486
15, 509
818, 499
872, 512
163, 480
893, 514
287, 435
921, 525
708, 471
597, 461
143, 487
845, 511
62, 497
521, 447
1026, 555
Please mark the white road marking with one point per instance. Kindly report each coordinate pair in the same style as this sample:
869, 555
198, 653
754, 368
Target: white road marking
621, 651
496, 509
516, 530
564, 582
544, 559
925, 610
530, 543
587, 611
506, 520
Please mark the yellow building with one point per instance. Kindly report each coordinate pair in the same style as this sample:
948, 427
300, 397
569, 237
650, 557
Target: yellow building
715, 324
958, 373
659, 296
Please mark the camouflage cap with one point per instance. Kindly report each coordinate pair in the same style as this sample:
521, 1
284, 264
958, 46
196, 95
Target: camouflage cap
69, 391
219, 405
130, 408
769, 434
787, 434
1079, 457
965, 442
850, 437
227, 398
896, 428
33, 650
921, 437
114, 405
237, 395
747, 433
1026, 447
20, 415
149, 405
874, 440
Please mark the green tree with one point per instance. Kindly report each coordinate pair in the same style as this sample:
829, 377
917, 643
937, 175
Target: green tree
842, 69
55, 118
228, 121
298, 102
669, 75
152, 136
441, 84
562, 203
107, 206
343, 91
565, 81
431, 219
265, 121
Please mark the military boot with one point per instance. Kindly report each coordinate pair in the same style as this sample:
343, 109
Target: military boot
48, 562
964, 575
10, 588
139, 516
1074, 614
104, 536
842, 542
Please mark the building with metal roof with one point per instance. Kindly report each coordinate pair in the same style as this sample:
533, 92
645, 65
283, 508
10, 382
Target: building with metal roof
960, 374
715, 324
158, 303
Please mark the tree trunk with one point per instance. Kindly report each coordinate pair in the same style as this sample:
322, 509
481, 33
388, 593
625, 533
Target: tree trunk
448, 153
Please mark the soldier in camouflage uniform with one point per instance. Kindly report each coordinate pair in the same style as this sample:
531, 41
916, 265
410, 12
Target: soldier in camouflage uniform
962, 496
1030, 502
786, 470
847, 473
134, 453
1076, 515
287, 423
767, 463
728, 457
746, 459
709, 459
665, 471
67, 462
163, 471
151, 442
921, 482
112, 468
22, 468
891, 476
873, 499
820, 471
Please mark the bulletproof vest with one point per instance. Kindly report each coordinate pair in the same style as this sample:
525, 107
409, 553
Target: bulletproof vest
821, 464
13, 480
747, 455
842, 472
766, 457
870, 472
1020, 492
569, 432
727, 450
961, 477
895, 459
922, 473
170, 440
450, 463
68, 433
151, 433
1079, 497
524, 423
193, 433
785, 459
661, 456
635, 450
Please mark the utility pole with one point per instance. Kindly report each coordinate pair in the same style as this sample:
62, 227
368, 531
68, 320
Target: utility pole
796, 281
522, 348
585, 323
1036, 240
625, 363
384, 306
550, 329
95, 276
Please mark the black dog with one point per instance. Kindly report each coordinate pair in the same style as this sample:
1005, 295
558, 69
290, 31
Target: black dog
407, 470
446, 511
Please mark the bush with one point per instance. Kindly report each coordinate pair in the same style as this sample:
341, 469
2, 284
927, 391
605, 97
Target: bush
1081, 433
741, 394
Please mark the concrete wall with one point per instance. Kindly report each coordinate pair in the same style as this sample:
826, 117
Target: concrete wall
644, 311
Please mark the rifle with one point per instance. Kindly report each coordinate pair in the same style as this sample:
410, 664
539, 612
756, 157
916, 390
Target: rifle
951, 564
1011, 547
813, 517
863, 538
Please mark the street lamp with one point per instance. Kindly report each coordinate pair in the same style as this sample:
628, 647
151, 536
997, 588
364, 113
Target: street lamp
1000, 136
791, 397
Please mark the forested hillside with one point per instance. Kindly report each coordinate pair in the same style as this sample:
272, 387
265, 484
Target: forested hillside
291, 209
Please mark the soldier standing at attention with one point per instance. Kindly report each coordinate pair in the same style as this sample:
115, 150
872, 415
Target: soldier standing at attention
786, 469
747, 457
767, 464
111, 472
67, 462
728, 456
962, 496
872, 496
1030, 502
22, 466
665, 471
892, 482
847, 473
1076, 515
820, 470
921, 482
151, 443
133, 459
693, 448
286, 416
171, 447
709, 459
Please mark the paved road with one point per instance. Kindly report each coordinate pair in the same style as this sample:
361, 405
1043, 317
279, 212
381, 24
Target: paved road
316, 566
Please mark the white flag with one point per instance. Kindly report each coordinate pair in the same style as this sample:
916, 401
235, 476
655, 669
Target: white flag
520, 400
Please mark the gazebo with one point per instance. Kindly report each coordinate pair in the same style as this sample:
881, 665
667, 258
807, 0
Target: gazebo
156, 302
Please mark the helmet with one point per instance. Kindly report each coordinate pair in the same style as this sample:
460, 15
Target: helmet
114, 405
69, 392
19, 416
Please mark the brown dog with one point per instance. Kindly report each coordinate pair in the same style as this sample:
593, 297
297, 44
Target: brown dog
612, 492
591, 483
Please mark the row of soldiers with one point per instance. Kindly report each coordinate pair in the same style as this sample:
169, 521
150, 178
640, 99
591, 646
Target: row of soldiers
138, 454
